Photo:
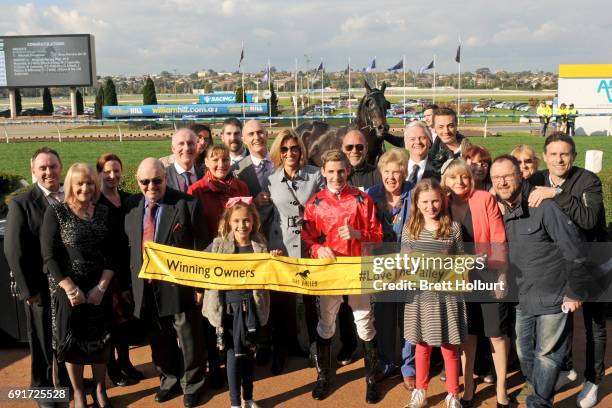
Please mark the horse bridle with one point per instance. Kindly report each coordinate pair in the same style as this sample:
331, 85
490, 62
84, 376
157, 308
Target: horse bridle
369, 124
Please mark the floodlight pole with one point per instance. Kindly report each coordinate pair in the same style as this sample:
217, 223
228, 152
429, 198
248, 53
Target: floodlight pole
73, 101
13, 103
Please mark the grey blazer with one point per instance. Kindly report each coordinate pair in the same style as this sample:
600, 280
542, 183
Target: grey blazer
284, 226
172, 176
245, 171
214, 305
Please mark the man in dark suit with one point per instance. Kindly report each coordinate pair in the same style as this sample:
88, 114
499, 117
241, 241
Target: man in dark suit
22, 250
164, 215
257, 166
417, 139
183, 172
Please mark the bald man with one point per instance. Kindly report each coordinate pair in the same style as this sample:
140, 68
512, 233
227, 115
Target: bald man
183, 172
166, 216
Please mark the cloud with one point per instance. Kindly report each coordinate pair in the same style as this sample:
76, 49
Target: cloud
141, 36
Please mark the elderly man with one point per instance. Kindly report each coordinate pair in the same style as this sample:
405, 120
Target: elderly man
22, 250
450, 143
183, 172
547, 260
231, 135
164, 215
579, 194
363, 175
204, 135
417, 139
428, 113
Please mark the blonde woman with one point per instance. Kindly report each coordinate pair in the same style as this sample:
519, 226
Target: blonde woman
527, 158
482, 227
76, 246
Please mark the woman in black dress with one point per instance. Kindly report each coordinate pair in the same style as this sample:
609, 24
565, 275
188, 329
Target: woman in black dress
120, 370
76, 249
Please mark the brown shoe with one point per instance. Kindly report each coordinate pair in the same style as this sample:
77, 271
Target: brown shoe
409, 383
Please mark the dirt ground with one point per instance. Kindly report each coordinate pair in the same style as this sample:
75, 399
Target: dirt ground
292, 388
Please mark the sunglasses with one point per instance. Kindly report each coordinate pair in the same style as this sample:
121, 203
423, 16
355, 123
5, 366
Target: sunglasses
294, 149
156, 181
526, 161
359, 147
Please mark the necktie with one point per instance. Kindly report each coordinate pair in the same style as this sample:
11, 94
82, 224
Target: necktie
187, 180
414, 174
261, 170
57, 197
148, 227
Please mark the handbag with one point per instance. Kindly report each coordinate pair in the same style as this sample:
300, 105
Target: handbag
87, 336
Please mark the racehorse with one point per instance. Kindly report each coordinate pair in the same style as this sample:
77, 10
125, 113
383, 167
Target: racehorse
371, 119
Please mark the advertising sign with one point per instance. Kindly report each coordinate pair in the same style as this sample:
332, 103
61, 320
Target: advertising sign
199, 110
47, 60
229, 97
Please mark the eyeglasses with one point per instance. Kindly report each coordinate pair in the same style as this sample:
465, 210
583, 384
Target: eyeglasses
483, 165
526, 161
506, 177
294, 149
156, 181
359, 147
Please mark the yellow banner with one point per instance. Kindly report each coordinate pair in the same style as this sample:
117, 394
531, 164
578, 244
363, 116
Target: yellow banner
343, 276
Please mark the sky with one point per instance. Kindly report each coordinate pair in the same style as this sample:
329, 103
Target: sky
136, 37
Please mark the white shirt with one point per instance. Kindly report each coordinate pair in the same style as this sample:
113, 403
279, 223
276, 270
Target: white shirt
421, 165
434, 135
257, 160
237, 159
180, 170
47, 193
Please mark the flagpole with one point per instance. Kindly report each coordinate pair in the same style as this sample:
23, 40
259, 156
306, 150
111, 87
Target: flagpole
322, 110
404, 87
270, 98
459, 81
349, 91
243, 90
375, 74
296, 93
434, 80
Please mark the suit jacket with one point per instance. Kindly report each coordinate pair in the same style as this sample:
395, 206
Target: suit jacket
245, 171
22, 244
430, 171
181, 225
172, 175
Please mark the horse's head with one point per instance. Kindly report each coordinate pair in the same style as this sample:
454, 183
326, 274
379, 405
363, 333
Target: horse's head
373, 109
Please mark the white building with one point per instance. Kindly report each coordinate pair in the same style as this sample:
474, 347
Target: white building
589, 88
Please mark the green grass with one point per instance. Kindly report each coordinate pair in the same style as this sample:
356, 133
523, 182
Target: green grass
16, 156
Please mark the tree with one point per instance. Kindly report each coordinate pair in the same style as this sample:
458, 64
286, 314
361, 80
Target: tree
239, 94
18, 107
79, 103
99, 103
149, 96
273, 102
208, 87
110, 93
47, 102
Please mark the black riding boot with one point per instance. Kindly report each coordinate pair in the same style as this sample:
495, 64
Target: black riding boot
371, 363
324, 370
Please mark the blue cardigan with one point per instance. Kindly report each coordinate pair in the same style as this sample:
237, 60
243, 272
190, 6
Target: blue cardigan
392, 232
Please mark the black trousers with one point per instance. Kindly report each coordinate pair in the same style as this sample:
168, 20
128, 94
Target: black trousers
184, 366
38, 319
240, 373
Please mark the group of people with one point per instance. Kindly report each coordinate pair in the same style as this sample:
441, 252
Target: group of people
76, 252
565, 118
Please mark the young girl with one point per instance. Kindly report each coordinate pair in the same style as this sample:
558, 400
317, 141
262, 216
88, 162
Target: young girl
236, 314
433, 318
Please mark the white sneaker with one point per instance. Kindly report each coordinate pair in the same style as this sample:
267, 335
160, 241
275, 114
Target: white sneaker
565, 377
418, 399
452, 401
587, 398
249, 404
